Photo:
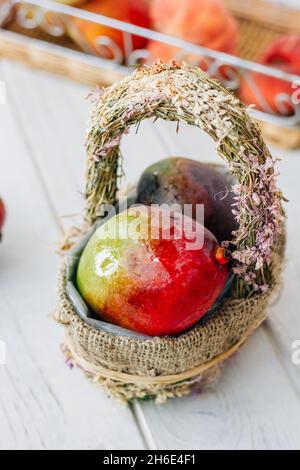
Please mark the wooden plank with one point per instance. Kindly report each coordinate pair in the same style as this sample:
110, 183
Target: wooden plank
251, 407
55, 132
284, 324
42, 403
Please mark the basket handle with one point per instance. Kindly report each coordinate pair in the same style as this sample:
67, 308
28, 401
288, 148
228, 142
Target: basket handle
185, 93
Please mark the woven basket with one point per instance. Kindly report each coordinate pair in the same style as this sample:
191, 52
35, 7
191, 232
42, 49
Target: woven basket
129, 367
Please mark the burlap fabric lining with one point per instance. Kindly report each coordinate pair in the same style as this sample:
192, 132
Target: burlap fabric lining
162, 367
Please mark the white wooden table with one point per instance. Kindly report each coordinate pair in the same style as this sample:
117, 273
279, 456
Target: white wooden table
44, 405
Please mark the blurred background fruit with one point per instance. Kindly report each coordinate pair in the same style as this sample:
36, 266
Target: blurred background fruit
270, 93
87, 34
256, 33
285, 51
204, 22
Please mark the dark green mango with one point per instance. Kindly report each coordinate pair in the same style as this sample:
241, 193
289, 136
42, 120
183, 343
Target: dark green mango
177, 180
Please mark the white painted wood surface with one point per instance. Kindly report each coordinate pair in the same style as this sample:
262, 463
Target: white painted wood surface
255, 405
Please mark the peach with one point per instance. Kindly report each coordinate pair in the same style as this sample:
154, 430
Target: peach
202, 22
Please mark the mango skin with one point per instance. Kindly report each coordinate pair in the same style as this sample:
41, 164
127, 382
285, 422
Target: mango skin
156, 287
178, 180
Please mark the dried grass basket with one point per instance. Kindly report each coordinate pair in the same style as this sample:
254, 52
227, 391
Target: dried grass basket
128, 367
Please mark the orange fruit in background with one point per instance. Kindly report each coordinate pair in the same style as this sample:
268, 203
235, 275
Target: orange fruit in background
86, 33
204, 22
284, 51
272, 94
267, 93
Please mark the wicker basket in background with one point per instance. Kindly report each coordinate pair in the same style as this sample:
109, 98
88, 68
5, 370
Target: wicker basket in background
59, 54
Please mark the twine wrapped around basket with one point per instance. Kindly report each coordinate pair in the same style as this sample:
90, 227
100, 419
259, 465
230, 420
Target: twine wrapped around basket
129, 367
